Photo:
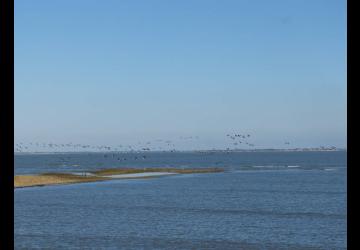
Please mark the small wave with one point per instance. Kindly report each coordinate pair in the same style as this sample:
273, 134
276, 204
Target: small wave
270, 166
293, 166
329, 169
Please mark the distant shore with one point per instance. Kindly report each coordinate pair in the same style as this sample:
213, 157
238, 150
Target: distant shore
46, 179
190, 151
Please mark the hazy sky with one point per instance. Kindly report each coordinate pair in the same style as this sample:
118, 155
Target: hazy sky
112, 72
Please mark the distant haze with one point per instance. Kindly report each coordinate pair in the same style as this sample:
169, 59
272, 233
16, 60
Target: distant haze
123, 72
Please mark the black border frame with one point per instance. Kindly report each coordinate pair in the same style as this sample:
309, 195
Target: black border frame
351, 125
7, 124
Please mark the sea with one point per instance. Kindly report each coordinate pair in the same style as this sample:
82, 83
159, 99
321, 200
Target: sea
263, 200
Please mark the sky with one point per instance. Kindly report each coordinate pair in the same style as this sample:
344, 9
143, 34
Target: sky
113, 72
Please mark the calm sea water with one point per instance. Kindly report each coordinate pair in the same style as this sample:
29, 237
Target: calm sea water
278, 200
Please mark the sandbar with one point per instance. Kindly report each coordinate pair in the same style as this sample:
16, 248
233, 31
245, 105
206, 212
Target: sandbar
21, 181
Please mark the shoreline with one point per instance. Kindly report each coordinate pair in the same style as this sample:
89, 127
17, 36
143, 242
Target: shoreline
260, 150
47, 179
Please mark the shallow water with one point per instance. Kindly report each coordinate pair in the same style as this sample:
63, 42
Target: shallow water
270, 207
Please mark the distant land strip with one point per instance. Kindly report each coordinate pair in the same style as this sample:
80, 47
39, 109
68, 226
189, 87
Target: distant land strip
332, 149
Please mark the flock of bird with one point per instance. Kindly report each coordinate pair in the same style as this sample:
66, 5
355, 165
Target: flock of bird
235, 140
239, 139
157, 145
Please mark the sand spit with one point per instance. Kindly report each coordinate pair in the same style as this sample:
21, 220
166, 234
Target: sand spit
52, 179
21, 181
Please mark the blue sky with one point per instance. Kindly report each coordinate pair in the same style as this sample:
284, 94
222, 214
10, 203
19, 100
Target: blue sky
110, 72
